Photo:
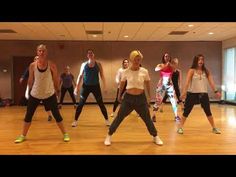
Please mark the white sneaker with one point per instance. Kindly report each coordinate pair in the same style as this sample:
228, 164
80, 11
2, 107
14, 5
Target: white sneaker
107, 141
107, 122
157, 140
112, 115
74, 124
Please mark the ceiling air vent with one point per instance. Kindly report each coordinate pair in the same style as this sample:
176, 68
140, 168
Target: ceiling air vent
7, 31
178, 32
94, 32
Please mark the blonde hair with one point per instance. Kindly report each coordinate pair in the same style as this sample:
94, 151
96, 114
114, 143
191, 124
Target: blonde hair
42, 46
134, 54
175, 61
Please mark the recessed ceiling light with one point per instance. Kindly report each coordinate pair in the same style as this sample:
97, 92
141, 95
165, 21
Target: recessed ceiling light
126, 36
210, 33
190, 25
94, 35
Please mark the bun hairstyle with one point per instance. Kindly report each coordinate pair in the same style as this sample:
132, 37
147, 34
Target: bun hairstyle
134, 54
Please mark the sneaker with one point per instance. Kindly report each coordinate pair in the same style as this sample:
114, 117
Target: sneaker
20, 139
216, 131
107, 141
74, 124
154, 118
107, 122
158, 140
180, 131
177, 119
66, 137
49, 118
112, 115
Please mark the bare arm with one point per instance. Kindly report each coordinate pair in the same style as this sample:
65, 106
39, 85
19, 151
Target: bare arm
159, 67
118, 76
31, 75
211, 82
212, 85
122, 85
102, 75
55, 77
188, 80
79, 79
73, 80
162, 66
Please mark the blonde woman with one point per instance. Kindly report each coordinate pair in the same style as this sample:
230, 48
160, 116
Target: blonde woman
134, 98
43, 84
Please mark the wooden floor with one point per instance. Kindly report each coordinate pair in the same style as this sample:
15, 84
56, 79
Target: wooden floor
131, 137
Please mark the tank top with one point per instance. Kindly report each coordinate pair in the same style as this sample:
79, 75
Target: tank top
198, 84
166, 75
91, 74
67, 80
43, 86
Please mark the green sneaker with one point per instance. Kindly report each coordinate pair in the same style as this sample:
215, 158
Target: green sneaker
66, 137
20, 139
216, 131
180, 131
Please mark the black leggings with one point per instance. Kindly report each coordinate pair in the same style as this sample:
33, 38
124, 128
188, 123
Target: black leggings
196, 98
96, 91
63, 92
49, 104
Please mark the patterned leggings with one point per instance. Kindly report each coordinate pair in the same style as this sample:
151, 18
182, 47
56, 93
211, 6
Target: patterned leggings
163, 89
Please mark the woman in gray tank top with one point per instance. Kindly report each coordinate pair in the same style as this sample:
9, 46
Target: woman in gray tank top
195, 88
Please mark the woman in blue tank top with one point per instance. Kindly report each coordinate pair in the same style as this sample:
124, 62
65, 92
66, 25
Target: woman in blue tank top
89, 75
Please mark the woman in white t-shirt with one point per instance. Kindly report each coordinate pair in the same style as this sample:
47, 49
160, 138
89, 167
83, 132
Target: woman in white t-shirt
125, 65
134, 98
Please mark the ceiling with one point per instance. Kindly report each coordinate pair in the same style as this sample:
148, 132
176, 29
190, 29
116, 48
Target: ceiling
116, 31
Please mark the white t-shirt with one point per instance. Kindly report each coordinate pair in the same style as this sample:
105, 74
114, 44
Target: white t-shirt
118, 76
135, 79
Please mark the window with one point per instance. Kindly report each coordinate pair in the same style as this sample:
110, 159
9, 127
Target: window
229, 74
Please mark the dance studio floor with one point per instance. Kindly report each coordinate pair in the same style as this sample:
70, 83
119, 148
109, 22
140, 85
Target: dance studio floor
131, 138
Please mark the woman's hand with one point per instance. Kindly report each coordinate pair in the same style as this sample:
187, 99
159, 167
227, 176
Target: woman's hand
183, 96
218, 94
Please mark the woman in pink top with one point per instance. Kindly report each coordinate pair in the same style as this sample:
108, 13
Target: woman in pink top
165, 86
